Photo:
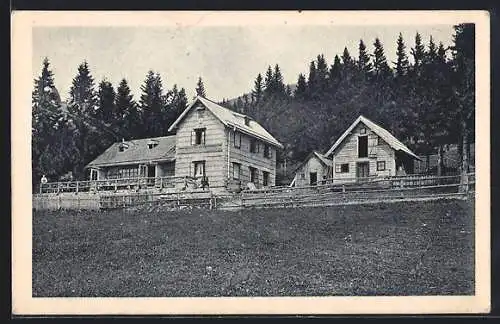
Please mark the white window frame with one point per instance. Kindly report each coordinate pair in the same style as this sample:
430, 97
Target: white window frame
236, 175
201, 163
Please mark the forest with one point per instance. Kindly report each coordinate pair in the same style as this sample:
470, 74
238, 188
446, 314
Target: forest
425, 98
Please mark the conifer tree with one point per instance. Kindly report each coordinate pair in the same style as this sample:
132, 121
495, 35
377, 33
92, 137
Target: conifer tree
278, 85
418, 52
269, 82
200, 88
312, 81
402, 59
301, 89
128, 117
106, 98
380, 67
83, 98
364, 65
258, 90
152, 105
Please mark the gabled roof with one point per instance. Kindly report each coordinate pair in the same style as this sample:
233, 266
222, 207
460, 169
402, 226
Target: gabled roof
323, 159
380, 131
230, 119
137, 152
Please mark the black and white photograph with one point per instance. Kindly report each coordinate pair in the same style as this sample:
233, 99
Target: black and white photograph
326, 157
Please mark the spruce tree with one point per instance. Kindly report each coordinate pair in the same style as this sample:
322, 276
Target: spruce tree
301, 89
269, 82
278, 85
106, 98
152, 105
418, 52
200, 88
402, 59
380, 67
312, 81
258, 90
128, 117
364, 65
83, 98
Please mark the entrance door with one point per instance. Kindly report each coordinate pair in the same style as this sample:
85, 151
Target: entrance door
151, 174
362, 170
313, 178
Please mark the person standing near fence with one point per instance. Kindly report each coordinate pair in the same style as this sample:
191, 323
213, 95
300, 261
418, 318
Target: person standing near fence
43, 181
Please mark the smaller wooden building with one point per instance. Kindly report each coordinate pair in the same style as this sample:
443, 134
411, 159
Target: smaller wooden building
366, 149
139, 158
315, 169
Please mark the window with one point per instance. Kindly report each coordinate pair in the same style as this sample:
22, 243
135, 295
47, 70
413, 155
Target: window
380, 165
362, 130
129, 172
379, 140
247, 121
253, 174
152, 143
199, 168
302, 175
362, 146
254, 146
265, 178
93, 174
267, 151
200, 111
313, 178
236, 171
237, 139
341, 167
198, 137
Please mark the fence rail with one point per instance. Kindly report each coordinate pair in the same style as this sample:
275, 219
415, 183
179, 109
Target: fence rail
374, 190
119, 184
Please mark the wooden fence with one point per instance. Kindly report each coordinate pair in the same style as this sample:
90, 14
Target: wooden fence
367, 190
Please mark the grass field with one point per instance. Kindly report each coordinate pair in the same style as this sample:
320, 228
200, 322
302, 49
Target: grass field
418, 248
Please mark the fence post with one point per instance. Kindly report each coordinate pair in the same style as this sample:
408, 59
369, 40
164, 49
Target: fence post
77, 186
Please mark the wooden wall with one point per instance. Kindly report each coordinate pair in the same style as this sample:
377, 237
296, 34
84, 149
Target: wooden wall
248, 159
348, 153
213, 152
312, 165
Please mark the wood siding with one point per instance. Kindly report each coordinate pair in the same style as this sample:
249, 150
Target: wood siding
246, 159
312, 165
347, 152
213, 152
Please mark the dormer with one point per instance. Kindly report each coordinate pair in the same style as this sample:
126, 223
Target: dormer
152, 143
247, 120
123, 146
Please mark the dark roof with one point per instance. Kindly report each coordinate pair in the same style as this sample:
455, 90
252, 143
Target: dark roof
231, 119
137, 152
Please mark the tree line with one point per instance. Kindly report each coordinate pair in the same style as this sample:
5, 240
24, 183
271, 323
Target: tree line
425, 98
68, 135
427, 102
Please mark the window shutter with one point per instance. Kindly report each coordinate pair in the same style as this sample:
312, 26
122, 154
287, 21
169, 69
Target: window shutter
193, 137
204, 131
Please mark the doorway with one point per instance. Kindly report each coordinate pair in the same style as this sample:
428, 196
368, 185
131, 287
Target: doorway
151, 174
362, 169
313, 178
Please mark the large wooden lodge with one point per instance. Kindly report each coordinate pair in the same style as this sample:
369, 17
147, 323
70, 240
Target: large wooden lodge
213, 147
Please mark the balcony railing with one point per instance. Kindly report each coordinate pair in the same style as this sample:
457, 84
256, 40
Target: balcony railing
119, 184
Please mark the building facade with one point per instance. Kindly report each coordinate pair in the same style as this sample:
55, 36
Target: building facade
366, 149
213, 147
316, 169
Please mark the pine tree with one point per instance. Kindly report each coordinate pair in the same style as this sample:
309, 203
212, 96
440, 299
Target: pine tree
200, 88
152, 105
321, 73
258, 90
364, 65
402, 59
335, 73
